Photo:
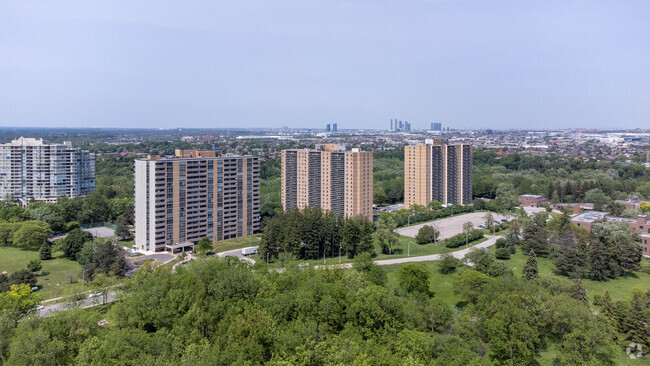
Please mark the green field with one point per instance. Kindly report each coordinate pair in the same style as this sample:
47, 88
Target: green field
54, 271
237, 243
402, 251
618, 288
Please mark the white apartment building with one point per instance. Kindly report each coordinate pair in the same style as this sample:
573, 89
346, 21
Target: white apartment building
32, 169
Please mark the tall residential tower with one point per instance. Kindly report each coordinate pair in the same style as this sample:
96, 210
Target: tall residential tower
328, 177
32, 169
437, 171
196, 194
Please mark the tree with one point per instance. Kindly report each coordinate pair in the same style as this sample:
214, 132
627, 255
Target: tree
374, 273
205, 244
467, 227
74, 241
122, 228
414, 277
579, 292
104, 256
18, 301
597, 197
22, 276
502, 253
31, 234
45, 253
34, 266
636, 323
95, 208
615, 208
427, 234
448, 263
470, 284
357, 236
535, 235
506, 197
530, 268
489, 220
388, 238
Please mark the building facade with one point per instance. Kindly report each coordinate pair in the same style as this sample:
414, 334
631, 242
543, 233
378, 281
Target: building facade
437, 171
328, 177
32, 169
640, 225
532, 200
179, 201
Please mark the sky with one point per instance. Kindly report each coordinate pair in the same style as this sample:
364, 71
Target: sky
305, 63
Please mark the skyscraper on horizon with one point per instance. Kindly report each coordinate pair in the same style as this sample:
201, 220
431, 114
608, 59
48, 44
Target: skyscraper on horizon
437, 171
335, 128
436, 126
328, 128
328, 177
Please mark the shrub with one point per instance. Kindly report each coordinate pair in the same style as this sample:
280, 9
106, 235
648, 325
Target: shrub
449, 263
460, 239
501, 243
427, 234
503, 253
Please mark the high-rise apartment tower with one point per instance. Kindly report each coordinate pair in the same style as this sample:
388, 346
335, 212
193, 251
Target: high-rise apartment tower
328, 177
196, 194
32, 169
437, 171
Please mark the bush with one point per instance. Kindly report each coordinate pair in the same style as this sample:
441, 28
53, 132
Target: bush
503, 253
45, 252
460, 239
449, 263
427, 234
501, 243
34, 266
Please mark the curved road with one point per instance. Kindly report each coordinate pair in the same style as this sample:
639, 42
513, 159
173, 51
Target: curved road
237, 253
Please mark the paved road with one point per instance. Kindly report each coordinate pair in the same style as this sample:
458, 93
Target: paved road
237, 253
87, 303
460, 254
449, 226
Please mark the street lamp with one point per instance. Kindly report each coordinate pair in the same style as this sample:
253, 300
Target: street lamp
339, 254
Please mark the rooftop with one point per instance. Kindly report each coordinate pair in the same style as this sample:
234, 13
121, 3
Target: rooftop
591, 216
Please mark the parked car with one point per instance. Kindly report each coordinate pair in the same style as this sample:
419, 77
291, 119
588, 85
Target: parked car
481, 226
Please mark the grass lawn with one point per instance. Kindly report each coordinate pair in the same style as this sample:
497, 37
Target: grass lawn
441, 284
401, 251
54, 270
618, 288
237, 243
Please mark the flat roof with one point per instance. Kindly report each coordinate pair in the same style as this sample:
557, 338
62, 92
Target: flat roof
531, 195
590, 216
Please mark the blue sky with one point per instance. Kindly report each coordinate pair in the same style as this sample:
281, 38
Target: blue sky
220, 64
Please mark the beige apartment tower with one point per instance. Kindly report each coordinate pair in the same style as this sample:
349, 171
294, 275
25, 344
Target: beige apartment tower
328, 177
196, 194
437, 171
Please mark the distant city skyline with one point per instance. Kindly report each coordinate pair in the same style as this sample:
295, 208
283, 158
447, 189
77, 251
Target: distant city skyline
254, 64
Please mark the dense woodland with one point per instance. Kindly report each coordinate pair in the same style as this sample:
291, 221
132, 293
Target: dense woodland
223, 312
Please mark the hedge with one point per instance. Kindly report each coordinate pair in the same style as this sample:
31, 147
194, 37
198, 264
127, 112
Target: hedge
460, 239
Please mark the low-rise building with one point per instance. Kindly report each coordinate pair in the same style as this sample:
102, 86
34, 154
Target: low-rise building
532, 200
640, 225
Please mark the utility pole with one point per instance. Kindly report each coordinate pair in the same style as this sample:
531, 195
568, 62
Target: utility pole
339, 254
267, 259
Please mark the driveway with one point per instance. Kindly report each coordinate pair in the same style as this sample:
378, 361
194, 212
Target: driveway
161, 258
449, 226
86, 303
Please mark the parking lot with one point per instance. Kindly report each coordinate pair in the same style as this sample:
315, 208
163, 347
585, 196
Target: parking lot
450, 226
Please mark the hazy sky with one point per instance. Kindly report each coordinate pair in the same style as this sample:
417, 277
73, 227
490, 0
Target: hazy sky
273, 63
